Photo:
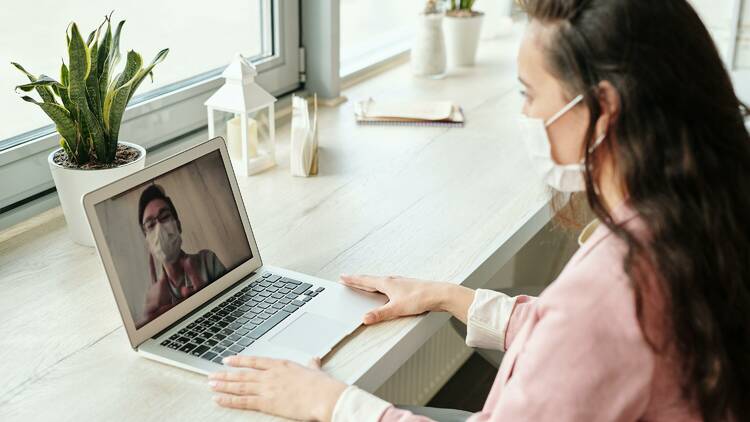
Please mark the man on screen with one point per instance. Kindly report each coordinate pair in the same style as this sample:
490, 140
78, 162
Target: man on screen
175, 274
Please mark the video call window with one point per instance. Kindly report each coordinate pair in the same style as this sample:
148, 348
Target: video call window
174, 235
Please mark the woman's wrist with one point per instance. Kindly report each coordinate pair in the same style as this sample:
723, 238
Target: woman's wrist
453, 298
331, 395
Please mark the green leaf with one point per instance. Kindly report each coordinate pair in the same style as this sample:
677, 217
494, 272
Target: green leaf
64, 74
116, 110
114, 51
43, 91
160, 56
92, 84
42, 81
132, 66
64, 95
79, 68
103, 60
59, 115
78, 56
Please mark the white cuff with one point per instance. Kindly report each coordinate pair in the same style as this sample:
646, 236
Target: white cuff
355, 405
488, 318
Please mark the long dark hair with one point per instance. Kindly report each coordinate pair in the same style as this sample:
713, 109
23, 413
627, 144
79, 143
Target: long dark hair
680, 147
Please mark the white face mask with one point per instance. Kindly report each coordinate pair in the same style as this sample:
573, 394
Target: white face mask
164, 241
562, 177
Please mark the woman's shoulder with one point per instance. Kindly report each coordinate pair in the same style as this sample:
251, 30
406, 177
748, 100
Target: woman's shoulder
594, 288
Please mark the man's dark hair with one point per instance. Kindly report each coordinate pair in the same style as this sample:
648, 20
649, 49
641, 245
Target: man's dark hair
151, 193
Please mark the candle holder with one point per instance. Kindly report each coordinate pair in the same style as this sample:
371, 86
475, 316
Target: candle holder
251, 132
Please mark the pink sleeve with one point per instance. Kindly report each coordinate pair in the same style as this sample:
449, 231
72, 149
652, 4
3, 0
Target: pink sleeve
585, 360
522, 311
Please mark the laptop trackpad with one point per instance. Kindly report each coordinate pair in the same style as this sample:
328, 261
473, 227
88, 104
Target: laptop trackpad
311, 333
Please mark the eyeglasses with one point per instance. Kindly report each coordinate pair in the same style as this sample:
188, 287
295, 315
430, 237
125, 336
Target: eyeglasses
163, 216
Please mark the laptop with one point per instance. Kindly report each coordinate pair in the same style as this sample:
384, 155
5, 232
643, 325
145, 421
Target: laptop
187, 276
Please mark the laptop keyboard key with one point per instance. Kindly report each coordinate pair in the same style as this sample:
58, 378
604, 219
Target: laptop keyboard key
236, 348
290, 308
301, 288
297, 303
199, 350
209, 356
245, 342
187, 348
268, 324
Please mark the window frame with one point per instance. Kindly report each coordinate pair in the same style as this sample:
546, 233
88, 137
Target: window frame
24, 170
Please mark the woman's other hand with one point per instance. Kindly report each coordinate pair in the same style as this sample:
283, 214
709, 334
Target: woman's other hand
410, 296
277, 387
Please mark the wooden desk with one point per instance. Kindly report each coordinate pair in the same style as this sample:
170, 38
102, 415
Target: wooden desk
436, 203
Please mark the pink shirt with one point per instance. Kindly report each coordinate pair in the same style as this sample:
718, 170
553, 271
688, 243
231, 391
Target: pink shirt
575, 353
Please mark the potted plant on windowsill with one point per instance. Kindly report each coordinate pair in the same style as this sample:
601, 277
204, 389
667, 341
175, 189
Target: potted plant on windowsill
87, 106
462, 26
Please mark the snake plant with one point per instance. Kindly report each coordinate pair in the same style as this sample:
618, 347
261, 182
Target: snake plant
461, 5
88, 102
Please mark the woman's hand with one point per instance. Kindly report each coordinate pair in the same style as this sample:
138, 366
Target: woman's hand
278, 387
410, 296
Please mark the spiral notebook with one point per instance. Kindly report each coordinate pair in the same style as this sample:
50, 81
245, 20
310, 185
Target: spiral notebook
411, 113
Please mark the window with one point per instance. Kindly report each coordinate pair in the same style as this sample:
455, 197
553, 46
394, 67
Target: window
202, 38
373, 31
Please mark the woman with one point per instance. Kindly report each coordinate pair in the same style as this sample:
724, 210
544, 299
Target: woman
647, 321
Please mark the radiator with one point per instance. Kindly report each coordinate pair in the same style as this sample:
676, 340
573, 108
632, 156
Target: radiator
425, 373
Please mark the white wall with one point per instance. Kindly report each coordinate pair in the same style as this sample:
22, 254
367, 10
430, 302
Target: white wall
718, 17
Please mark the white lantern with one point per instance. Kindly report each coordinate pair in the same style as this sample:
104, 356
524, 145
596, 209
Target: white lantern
251, 142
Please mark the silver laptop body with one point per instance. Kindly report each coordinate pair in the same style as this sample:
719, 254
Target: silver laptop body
187, 276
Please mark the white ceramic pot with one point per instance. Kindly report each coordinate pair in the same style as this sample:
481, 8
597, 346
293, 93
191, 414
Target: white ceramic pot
428, 52
462, 38
72, 184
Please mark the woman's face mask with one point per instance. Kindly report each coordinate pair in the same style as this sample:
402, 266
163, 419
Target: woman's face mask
164, 241
562, 177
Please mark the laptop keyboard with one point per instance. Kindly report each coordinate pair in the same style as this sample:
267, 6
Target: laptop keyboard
243, 318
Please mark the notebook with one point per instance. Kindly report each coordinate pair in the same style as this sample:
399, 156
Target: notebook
409, 113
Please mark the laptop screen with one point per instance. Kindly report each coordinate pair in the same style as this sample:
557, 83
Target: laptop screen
173, 235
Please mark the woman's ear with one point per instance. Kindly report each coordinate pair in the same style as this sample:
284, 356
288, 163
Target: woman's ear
609, 104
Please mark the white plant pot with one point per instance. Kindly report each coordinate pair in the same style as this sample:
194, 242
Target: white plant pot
72, 184
428, 51
462, 38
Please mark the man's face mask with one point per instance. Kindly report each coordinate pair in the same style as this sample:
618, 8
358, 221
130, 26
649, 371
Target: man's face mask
164, 241
562, 177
